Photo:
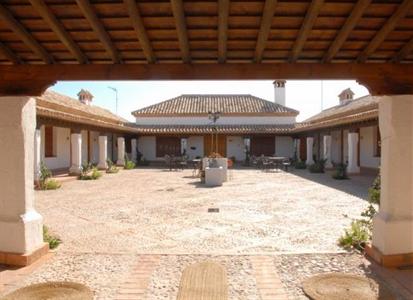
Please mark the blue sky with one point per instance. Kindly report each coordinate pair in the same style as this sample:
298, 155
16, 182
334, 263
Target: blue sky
304, 96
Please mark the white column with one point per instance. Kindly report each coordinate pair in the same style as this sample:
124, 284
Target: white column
297, 149
121, 151
327, 150
353, 139
76, 144
20, 224
310, 142
37, 154
103, 152
393, 225
134, 151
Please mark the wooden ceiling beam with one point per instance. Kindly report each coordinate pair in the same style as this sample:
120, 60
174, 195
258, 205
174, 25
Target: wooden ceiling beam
24, 35
223, 13
265, 28
405, 51
305, 29
380, 78
381, 35
135, 17
179, 15
10, 55
351, 22
59, 30
97, 26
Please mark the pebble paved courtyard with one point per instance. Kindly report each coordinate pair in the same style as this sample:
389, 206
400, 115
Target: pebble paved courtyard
107, 226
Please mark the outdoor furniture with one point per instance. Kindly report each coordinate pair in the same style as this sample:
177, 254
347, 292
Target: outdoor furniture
206, 280
196, 166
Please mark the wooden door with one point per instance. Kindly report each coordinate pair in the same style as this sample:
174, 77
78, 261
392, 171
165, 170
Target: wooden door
222, 144
263, 145
303, 149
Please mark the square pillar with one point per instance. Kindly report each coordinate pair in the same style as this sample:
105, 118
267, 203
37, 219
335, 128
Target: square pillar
297, 149
103, 152
21, 226
327, 151
37, 155
134, 150
353, 140
393, 225
310, 142
121, 151
76, 144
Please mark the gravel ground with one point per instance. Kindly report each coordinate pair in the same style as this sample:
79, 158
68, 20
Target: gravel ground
105, 224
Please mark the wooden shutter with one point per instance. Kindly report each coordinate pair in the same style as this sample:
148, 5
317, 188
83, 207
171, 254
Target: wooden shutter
263, 145
48, 141
168, 146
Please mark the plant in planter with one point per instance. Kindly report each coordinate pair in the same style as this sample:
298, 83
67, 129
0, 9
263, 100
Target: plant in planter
340, 172
129, 164
112, 169
45, 180
318, 166
89, 172
299, 164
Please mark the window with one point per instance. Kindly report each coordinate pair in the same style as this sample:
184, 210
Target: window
377, 141
168, 146
49, 145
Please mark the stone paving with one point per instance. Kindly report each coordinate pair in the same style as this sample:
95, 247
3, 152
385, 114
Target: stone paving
130, 235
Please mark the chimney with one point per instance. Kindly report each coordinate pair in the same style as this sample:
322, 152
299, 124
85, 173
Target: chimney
85, 97
346, 96
279, 91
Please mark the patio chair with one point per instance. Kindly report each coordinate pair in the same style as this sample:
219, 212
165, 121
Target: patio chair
286, 164
168, 161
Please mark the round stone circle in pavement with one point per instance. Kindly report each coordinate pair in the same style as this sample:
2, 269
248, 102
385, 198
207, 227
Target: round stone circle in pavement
340, 286
52, 291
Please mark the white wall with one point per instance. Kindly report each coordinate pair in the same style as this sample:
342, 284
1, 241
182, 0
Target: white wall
367, 148
284, 146
94, 147
245, 120
197, 142
84, 146
147, 146
61, 138
235, 147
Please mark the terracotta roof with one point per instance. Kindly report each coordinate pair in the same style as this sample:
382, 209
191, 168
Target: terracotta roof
226, 104
206, 129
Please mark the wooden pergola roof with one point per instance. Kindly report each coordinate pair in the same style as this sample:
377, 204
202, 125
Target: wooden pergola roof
159, 39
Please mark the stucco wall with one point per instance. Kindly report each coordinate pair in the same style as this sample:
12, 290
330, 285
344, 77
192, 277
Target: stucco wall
222, 120
147, 146
197, 143
62, 149
367, 158
235, 147
284, 146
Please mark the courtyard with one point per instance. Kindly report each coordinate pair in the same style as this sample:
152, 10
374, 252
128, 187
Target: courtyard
153, 223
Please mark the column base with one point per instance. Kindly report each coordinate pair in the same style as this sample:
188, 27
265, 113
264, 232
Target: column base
389, 261
309, 162
21, 260
353, 170
74, 170
120, 162
102, 166
392, 236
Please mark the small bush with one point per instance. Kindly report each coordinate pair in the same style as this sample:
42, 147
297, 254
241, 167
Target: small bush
89, 172
129, 164
356, 236
300, 164
318, 166
45, 181
52, 184
112, 169
340, 172
52, 240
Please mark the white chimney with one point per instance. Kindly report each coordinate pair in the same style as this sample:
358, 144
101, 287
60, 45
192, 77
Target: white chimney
85, 97
346, 96
279, 91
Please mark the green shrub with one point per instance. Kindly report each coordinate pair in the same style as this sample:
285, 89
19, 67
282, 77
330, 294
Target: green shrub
129, 164
52, 240
89, 172
356, 236
111, 167
318, 166
45, 181
300, 164
340, 172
